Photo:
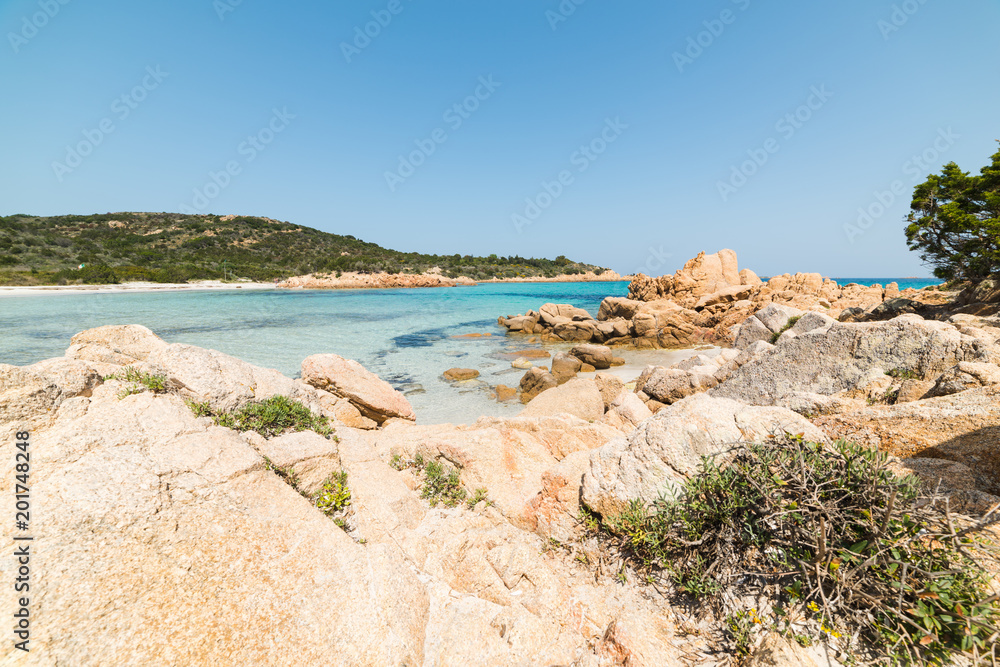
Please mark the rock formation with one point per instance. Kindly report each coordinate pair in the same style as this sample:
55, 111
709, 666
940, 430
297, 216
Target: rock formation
169, 537
705, 302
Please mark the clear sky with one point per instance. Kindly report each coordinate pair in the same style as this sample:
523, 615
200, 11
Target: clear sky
616, 133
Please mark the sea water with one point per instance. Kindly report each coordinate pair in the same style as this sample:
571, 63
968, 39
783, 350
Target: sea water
406, 336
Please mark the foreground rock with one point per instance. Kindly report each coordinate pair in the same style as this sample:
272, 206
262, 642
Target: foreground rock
182, 533
374, 397
580, 398
666, 449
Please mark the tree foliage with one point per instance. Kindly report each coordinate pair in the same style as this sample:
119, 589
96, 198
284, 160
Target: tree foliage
954, 222
168, 247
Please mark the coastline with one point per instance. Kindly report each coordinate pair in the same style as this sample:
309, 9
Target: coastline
130, 288
354, 280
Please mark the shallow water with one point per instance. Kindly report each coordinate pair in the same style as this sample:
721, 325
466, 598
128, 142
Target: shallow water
404, 335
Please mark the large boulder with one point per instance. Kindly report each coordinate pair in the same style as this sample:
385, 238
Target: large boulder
373, 396
114, 345
577, 331
840, 356
565, 366
535, 381
558, 313
614, 307
775, 316
598, 356
669, 385
667, 448
580, 398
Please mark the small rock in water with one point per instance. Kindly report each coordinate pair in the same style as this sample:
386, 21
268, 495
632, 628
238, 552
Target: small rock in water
505, 393
521, 363
459, 374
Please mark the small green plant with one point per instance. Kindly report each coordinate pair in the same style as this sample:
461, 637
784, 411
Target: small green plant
903, 374
274, 416
287, 475
200, 409
335, 496
140, 381
590, 521
479, 497
788, 325
398, 462
442, 484
741, 627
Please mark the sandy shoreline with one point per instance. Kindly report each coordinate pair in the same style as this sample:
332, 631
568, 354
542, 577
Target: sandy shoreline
129, 288
217, 285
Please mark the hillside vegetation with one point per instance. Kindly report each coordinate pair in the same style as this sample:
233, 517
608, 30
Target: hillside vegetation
169, 247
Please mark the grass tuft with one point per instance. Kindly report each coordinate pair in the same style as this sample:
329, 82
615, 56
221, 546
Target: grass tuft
139, 382
272, 416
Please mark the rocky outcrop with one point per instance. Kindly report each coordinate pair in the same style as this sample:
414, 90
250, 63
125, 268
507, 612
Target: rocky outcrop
213, 557
706, 302
820, 356
668, 447
110, 347
374, 397
962, 427
701, 276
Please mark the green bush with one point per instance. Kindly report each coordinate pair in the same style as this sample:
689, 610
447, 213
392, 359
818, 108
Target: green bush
274, 416
829, 530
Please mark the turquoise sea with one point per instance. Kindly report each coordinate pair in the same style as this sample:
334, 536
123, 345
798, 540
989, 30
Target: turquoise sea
403, 335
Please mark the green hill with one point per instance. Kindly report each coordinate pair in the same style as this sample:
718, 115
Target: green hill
169, 247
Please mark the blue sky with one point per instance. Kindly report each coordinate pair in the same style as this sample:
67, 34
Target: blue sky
630, 135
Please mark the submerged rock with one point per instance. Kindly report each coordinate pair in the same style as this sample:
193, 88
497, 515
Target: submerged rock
460, 374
